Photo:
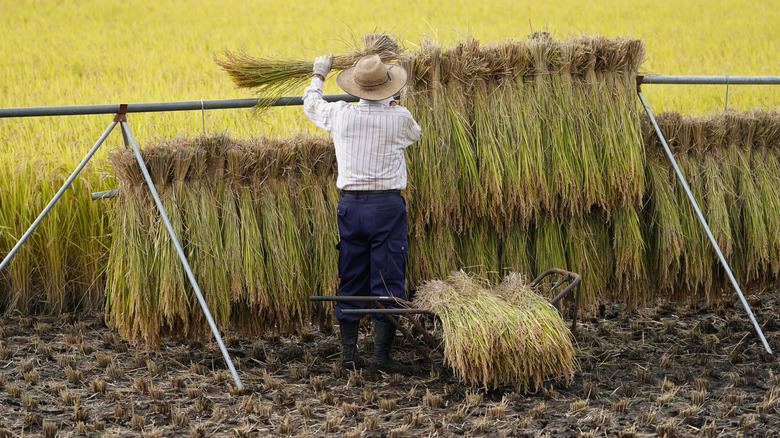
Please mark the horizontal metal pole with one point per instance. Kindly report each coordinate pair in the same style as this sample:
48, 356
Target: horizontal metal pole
105, 195
194, 105
363, 298
187, 105
386, 312
712, 80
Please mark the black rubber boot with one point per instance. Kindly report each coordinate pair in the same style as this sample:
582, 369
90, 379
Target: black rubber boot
350, 358
384, 333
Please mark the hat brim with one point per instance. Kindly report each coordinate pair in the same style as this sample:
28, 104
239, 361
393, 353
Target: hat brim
398, 77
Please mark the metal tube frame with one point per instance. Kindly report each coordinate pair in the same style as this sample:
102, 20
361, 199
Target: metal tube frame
408, 311
122, 109
187, 105
391, 313
709, 80
121, 119
574, 286
699, 214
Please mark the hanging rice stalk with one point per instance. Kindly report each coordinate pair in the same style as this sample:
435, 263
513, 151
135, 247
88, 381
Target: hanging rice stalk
629, 250
754, 231
516, 254
461, 63
767, 178
579, 78
432, 192
665, 235
550, 245
168, 169
697, 255
432, 255
478, 251
506, 336
717, 211
589, 252
533, 181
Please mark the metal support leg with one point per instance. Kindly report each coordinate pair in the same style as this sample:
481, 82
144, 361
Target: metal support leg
57, 196
703, 221
129, 138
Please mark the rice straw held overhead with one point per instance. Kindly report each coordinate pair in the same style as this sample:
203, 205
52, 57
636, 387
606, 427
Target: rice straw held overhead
273, 77
510, 336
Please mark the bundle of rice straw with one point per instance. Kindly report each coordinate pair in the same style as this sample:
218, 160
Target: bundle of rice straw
506, 336
276, 76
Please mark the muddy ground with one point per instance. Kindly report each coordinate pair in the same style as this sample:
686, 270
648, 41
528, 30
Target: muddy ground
663, 371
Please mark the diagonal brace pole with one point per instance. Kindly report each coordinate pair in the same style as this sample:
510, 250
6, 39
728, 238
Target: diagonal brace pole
702, 220
129, 138
57, 196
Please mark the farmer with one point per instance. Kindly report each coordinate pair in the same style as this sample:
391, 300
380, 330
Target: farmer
369, 139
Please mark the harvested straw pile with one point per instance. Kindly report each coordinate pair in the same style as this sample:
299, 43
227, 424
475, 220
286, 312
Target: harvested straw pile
506, 336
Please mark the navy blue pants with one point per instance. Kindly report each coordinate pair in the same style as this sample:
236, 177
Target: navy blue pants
372, 249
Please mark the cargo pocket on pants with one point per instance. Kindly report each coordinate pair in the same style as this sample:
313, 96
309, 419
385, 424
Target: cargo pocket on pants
397, 253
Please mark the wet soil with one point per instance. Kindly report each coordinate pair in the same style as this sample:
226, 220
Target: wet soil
663, 371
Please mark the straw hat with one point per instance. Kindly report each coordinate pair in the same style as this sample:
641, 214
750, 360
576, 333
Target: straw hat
371, 79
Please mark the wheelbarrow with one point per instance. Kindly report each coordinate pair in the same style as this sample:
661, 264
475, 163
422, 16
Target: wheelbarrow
395, 308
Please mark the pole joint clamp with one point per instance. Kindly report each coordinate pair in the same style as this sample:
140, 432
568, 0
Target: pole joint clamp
121, 116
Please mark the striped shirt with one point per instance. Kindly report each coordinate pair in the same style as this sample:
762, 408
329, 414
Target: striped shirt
369, 137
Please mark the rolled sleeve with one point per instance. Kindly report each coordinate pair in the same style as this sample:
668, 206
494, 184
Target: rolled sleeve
412, 130
315, 107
